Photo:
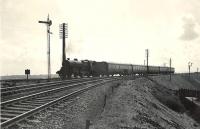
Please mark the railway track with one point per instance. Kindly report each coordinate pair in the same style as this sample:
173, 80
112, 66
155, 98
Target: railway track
16, 91
13, 82
15, 110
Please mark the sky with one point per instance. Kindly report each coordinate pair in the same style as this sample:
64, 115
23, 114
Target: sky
101, 30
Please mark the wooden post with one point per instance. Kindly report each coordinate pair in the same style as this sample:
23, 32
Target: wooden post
112, 89
147, 55
170, 63
27, 72
189, 66
105, 101
87, 126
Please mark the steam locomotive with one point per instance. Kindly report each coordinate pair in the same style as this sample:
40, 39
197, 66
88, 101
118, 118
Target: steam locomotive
93, 68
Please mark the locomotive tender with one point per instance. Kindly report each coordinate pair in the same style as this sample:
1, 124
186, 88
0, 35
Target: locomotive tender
94, 68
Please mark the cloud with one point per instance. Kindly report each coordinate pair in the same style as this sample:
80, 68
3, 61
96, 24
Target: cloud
189, 29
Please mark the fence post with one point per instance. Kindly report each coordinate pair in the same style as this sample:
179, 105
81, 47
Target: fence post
112, 88
105, 101
87, 124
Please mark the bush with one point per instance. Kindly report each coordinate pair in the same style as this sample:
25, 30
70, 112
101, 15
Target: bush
174, 104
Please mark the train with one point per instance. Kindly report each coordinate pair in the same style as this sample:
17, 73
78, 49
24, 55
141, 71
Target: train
90, 68
81, 68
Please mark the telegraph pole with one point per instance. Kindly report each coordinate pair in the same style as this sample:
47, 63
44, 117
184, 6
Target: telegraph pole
170, 64
189, 66
147, 56
63, 34
197, 72
48, 23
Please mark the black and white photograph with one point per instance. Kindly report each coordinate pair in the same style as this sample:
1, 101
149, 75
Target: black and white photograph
100, 64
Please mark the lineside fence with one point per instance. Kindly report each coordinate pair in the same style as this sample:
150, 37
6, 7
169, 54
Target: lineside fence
188, 93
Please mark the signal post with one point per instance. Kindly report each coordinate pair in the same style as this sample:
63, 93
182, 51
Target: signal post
48, 23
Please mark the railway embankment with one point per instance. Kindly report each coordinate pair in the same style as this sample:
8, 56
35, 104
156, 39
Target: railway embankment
147, 104
134, 104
